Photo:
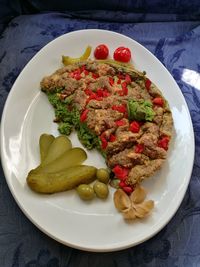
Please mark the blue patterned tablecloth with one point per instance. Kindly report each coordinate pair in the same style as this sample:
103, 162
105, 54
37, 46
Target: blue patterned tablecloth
177, 45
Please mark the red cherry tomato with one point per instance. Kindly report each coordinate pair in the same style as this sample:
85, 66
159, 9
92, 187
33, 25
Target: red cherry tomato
101, 51
122, 54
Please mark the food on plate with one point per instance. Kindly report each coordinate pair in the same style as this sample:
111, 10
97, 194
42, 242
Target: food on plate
103, 175
60, 170
70, 60
85, 192
101, 52
88, 192
67, 179
59, 145
45, 142
133, 206
112, 109
122, 54
101, 190
118, 110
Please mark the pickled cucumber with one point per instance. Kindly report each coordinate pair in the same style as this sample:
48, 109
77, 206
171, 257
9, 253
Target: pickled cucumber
69, 158
59, 146
61, 181
66, 60
44, 143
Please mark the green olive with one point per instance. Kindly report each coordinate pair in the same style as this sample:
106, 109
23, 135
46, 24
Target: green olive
103, 175
85, 191
101, 189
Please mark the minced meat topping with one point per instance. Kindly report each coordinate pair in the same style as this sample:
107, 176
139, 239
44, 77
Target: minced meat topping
117, 110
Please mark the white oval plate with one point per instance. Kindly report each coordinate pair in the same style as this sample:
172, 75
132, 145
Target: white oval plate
95, 226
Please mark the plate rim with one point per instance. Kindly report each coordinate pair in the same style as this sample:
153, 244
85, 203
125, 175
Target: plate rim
20, 205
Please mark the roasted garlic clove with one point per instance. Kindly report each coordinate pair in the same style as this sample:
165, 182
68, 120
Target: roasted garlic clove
138, 195
129, 214
121, 200
143, 209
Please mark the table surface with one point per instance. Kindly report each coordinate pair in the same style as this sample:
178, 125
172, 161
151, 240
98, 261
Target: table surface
176, 45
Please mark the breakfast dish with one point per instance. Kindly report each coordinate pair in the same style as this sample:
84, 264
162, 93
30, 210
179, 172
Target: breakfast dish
115, 109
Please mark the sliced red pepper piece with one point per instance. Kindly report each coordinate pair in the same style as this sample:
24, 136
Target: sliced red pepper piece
139, 148
71, 75
120, 76
82, 68
88, 91
92, 96
104, 142
102, 92
124, 88
112, 138
119, 81
158, 101
76, 74
134, 127
124, 84
111, 81
99, 92
120, 123
83, 116
128, 189
147, 84
106, 93
120, 93
86, 72
164, 142
77, 77
77, 71
95, 97
122, 184
95, 75
128, 79
120, 108
120, 172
